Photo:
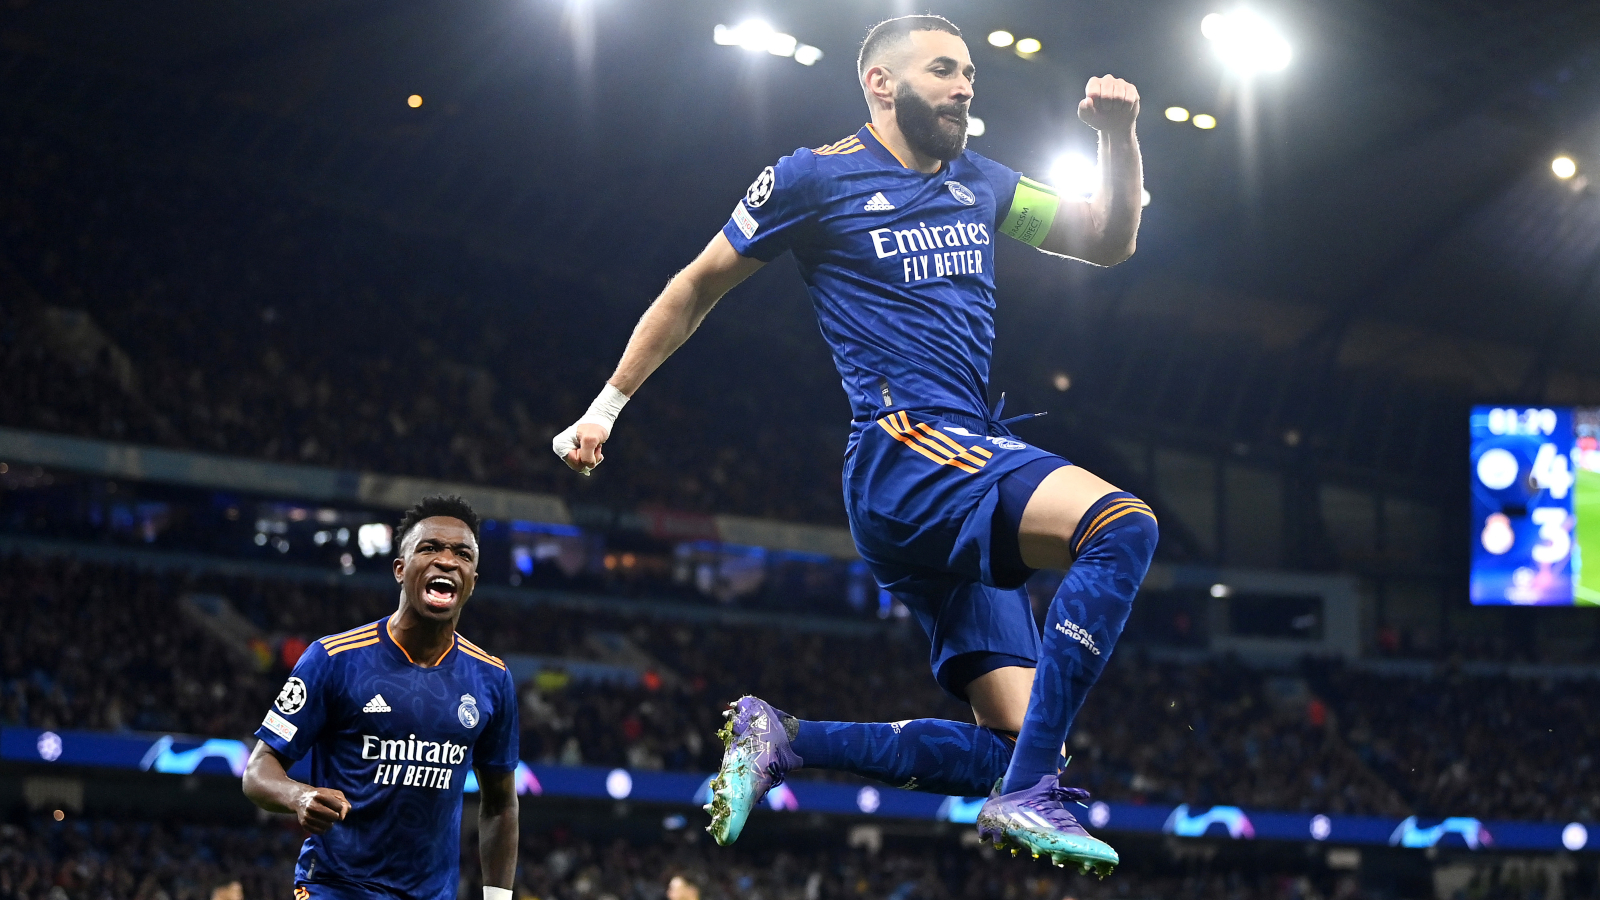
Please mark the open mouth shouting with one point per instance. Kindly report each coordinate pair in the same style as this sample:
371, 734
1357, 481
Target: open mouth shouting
440, 592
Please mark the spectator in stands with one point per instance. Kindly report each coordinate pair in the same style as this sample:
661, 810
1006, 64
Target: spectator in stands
680, 887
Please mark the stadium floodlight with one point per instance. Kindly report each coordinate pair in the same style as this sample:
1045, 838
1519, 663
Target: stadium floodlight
758, 36
1075, 175
1144, 197
1220, 591
1029, 46
1204, 121
975, 127
1177, 114
1001, 39
414, 101
1245, 42
1563, 167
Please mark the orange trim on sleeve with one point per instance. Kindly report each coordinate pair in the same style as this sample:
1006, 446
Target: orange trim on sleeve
335, 651
356, 634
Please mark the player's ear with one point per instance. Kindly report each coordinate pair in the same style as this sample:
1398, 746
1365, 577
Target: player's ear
399, 568
879, 84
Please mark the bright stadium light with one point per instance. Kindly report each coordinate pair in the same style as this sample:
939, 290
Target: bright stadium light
759, 36
414, 101
1075, 175
1029, 46
1177, 114
1204, 121
1001, 39
1245, 42
975, 127
1563, 167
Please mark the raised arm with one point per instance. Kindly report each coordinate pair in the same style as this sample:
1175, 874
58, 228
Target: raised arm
663, 328
1105, 229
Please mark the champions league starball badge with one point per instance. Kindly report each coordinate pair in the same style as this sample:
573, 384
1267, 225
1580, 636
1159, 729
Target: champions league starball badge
467, 712
761, 188
292, 698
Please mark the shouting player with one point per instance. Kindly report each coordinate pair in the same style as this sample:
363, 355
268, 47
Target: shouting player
395, 714
893, 228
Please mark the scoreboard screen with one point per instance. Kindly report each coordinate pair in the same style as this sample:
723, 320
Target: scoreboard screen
1536, 506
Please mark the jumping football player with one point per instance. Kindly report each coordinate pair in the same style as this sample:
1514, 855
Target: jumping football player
395, 714
893, 229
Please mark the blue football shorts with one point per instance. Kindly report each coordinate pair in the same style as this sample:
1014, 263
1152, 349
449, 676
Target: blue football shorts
934, 501
336, 890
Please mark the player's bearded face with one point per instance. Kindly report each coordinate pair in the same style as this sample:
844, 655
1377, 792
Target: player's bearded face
936, 131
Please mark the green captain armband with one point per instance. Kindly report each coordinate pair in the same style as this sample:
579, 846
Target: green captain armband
1033, 210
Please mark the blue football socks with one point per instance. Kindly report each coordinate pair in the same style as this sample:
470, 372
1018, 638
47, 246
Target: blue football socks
936, 755
1112, 548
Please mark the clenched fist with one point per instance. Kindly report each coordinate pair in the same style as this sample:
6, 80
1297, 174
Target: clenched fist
319, 808
1109, 104
579, 446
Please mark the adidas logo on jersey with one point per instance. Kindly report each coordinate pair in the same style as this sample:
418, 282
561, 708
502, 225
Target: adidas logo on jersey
878, 203
376, 705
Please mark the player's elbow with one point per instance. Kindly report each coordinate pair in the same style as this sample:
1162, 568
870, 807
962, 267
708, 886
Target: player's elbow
250, 784
1110, 253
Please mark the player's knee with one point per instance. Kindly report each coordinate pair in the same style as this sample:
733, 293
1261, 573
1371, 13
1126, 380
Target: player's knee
1146, 532
1123, 521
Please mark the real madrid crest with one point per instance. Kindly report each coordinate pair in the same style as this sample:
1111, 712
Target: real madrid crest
467, 712
961, 192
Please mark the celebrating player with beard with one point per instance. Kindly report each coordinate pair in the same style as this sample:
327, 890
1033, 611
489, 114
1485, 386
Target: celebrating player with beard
893, 230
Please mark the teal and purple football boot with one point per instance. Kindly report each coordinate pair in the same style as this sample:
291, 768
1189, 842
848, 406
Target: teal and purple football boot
756, 758
1037, 820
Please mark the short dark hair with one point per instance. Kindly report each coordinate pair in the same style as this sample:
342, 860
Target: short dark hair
891, 31
450, 506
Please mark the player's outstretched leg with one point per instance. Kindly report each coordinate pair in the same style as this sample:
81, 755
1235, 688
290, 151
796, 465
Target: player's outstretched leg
1112, 547
935, 755
764, 744
756, 756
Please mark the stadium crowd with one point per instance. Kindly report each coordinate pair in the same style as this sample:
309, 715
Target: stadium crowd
132, 331
84, 654
144, 859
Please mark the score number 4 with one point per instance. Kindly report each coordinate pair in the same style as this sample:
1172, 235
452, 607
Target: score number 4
1551, 472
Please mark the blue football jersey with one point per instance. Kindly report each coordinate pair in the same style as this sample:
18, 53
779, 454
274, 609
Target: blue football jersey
398, 739
900, 267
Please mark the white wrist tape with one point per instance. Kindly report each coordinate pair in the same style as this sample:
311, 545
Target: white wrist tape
494, 893
603, 412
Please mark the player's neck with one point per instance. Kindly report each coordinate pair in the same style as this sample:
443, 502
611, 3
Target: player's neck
887, 128
424, 641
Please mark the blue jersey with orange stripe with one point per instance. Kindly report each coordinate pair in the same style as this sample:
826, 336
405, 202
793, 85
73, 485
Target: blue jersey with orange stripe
398, 739
899, 264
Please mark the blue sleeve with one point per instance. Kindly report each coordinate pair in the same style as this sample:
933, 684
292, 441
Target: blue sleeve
1002, 181
777, 211
497, 746
297, 716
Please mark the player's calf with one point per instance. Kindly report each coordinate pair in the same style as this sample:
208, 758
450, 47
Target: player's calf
1113, 545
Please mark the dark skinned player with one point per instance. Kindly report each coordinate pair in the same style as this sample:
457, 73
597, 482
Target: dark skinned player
394, 714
